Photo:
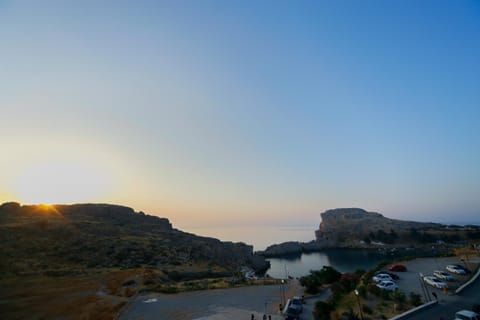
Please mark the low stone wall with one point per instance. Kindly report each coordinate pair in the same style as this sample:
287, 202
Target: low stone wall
414, 311
469, 282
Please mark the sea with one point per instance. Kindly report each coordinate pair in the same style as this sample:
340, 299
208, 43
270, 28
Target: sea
344, 260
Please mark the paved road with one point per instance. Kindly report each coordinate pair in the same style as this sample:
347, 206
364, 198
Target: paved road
236, 303
309, 305
410, 281
446, 308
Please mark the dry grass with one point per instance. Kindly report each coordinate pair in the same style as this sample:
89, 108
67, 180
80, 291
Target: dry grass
95, 296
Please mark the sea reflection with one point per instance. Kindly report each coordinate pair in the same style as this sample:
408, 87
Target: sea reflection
344, 260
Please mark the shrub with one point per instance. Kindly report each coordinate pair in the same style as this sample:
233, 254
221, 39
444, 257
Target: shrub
362, 291
415, 299
399, 296
322, 310
349, 281
385, 295
315, 279
350, 315
367, 309
373, 289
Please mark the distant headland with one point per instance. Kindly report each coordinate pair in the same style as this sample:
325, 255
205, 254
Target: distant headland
358, 228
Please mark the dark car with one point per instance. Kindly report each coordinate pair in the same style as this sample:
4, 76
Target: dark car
292, 314
397, 268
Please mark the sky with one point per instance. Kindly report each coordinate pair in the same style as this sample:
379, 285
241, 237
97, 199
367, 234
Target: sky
237, 113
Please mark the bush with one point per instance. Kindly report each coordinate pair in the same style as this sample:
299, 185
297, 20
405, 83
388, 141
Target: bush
385, 295
373, 289
399, 296
322, 310
415, 299
316, 279
349, 281
350, 315
367, 309
362, 291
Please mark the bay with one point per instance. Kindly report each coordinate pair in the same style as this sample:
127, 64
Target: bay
344, 260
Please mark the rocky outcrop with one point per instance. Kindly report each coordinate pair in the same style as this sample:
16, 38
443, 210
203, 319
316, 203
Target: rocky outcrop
290, 248
348, 226
358, 228
43, 239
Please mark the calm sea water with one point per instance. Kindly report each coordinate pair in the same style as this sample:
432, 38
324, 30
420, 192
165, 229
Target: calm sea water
343, 260
259, 236
296, 266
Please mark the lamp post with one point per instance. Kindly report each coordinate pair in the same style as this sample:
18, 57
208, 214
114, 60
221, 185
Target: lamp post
359, 305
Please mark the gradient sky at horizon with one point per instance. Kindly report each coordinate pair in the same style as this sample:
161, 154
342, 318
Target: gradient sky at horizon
243, 112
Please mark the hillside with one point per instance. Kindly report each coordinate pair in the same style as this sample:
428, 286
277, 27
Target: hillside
47, 249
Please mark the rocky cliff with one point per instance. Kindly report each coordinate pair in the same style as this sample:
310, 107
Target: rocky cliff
358, 228
66, 239
342, 224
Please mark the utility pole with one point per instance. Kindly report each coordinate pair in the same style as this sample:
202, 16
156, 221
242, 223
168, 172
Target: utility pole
359, 305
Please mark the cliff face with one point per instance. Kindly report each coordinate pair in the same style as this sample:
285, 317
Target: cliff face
357, 228
349, 226
68, 239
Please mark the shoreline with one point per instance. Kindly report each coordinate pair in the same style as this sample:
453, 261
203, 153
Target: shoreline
298, 248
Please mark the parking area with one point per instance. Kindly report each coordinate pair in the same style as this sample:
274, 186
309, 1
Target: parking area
410, 281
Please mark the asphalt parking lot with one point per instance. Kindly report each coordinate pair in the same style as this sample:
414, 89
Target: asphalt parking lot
410, 281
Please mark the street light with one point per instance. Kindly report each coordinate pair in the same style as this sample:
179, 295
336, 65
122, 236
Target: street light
359, 305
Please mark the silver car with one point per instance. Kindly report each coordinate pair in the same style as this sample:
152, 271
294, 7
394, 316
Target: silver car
435, 282
443, 275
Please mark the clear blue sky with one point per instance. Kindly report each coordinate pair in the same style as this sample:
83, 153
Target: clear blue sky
238, 112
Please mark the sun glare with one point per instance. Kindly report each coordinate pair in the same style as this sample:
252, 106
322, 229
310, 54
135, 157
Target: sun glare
60, 182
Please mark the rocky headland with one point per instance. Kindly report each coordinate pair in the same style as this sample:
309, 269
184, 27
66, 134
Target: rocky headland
359, 229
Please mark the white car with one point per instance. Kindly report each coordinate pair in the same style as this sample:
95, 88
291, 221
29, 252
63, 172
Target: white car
435, 282
454, 269
466, 315
382, 277
387, 285
443, 275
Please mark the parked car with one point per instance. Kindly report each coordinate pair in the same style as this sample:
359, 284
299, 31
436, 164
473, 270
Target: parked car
443, 275
292, 310
296, 302
466, 315
291, 313
391, 274
435, 282
387, 285
382, 277
397, 268
456, 269
462, 267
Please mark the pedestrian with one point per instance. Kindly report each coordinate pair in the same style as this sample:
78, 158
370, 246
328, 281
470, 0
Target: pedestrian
253, 317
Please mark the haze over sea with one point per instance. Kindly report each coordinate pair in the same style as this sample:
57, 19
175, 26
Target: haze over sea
259, 236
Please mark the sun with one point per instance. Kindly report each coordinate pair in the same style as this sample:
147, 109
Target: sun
54, 182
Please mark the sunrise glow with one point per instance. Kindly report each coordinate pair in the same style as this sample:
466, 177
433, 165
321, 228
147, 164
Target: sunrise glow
60, 182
